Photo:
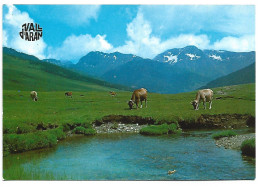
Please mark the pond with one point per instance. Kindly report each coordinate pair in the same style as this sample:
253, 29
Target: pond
193, 155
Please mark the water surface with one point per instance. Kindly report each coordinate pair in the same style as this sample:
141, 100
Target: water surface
193, 155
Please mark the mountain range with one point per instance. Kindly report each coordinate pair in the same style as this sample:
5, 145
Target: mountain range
173, 71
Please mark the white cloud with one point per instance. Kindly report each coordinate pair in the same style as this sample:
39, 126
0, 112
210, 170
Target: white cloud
201, 41
5, 38
13, 21
141, 42
241, 44
233, 20
74, 47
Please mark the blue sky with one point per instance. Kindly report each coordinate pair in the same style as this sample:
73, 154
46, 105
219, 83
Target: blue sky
71, 31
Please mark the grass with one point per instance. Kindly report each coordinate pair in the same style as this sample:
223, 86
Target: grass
22, 116
83, 130
29, 141
160, 129
222, 134
248, 147
19, 173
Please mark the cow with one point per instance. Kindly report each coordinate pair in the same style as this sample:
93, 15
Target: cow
68, 94
138, 95
112, 93
205, 95
34, 95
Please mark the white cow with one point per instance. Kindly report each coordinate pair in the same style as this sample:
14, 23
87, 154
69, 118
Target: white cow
34, 95
205, 95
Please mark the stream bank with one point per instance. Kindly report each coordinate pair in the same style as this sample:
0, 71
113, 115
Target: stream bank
234, 142
49, 137
123, 124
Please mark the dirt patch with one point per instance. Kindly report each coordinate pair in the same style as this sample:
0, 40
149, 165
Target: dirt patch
124, 120
226, 121
220, 121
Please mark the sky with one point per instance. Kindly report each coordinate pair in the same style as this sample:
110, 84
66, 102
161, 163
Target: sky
72, 31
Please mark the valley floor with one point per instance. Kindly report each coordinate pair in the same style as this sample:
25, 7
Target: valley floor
44, 122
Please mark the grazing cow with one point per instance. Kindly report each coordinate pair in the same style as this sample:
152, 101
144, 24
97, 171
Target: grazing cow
205, 95
112, 93
34, 96
138, 95
68, 94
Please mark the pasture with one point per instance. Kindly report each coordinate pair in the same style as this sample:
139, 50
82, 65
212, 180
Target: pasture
54, 108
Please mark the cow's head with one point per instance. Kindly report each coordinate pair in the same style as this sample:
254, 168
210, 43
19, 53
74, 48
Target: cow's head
131, 104
194, 104
36, 99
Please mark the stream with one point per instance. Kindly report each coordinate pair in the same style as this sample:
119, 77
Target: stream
193, 155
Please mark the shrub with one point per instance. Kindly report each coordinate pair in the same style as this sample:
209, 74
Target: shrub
83, 130
248, 147
160, 129
222, 134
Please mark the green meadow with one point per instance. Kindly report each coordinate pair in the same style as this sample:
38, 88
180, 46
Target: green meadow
85, 107
53, 109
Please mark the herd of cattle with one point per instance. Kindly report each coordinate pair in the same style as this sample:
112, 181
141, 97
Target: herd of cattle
140, 95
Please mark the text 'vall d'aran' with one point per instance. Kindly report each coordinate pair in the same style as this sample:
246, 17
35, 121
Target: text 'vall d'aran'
31, 32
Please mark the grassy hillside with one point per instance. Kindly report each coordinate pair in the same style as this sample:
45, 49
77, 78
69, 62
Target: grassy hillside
22, 74
243, 76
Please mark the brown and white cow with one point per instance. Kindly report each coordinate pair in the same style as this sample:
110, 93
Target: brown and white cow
112, 93
205, 95
68, 94
138, 95
34, 95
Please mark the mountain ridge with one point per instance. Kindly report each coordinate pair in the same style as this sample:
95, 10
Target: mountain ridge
189, 65
242, 76
173, 71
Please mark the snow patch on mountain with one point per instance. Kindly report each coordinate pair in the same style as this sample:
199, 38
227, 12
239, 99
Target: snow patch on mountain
215, 57
171, 59
192, 56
